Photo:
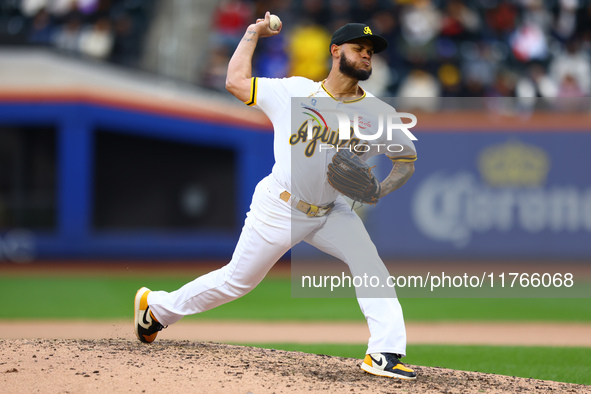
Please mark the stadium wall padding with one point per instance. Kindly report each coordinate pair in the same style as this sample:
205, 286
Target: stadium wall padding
501, 194
74, 235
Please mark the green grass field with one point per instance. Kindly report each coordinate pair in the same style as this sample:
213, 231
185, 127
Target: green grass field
110, 298
570, 365
103, 297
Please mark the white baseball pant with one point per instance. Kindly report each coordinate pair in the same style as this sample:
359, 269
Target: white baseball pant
271, 228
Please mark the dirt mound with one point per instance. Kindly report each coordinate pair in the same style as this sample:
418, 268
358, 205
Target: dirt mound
57, 366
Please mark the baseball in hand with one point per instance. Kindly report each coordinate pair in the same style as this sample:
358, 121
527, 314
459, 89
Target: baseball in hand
274, 22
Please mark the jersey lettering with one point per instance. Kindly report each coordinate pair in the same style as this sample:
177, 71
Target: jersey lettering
323, 135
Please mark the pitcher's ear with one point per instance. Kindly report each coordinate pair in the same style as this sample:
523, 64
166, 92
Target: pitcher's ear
335, 50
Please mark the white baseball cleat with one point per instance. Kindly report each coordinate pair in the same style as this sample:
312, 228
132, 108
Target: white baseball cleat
145, 324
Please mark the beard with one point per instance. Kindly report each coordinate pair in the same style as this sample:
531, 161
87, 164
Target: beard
348, 68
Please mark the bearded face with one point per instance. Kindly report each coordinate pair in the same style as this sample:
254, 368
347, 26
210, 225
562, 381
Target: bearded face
348, 68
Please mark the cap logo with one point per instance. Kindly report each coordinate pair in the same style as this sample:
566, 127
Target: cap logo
367, 30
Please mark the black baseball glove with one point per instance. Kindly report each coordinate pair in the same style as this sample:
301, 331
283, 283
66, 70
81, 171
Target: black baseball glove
353, 177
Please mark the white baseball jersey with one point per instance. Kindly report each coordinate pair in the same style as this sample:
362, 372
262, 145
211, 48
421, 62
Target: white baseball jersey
301, 162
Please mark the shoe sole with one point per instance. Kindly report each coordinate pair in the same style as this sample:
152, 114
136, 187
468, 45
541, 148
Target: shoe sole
380, 372
136, 311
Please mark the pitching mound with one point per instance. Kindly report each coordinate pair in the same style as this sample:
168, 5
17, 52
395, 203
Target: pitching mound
181, 366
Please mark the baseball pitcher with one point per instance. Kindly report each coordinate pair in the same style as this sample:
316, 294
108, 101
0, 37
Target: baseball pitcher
301, 200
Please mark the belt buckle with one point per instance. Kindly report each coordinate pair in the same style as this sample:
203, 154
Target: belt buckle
322, 211
313, 211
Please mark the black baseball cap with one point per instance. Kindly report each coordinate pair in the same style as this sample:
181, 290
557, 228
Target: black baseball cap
351, 31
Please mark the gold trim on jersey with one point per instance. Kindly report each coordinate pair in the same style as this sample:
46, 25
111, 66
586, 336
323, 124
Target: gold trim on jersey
253, 92
404, 159
344, 101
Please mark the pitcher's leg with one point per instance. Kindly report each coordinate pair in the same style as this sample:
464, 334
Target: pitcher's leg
344, 236
252, 259
386, 325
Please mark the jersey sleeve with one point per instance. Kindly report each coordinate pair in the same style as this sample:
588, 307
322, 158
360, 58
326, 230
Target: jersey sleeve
406, 154
268, 93
252, 100
273, 95
394, 143
400, 149
405, 150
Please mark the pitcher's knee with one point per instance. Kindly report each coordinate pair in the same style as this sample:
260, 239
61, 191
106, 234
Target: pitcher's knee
237, 289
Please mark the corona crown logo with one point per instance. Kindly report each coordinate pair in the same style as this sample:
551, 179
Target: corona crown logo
514, 164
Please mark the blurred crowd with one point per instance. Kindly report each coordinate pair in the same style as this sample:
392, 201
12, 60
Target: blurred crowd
438, 48
111, 30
